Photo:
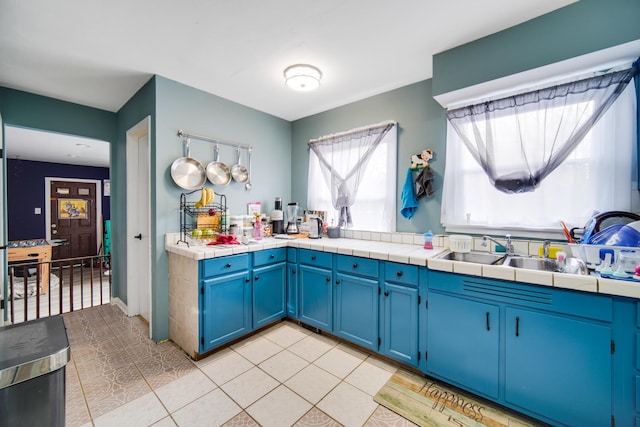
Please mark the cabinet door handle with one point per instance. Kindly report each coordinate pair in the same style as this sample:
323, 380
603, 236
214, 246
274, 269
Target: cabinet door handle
247, 280
386, 293
293, 271
328, 279
355, 265
272, 256
517, 326
488, 326
399, 274
313, 257
337, 282
256, 278
228, 265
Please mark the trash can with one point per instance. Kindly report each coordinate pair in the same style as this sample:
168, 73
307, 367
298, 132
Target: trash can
33, 359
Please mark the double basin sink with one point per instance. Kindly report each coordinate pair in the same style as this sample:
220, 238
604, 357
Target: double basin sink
488, 258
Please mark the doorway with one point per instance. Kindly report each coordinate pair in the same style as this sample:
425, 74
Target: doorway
139, 221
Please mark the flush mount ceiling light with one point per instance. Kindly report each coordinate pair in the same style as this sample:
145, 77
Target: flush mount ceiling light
302, 77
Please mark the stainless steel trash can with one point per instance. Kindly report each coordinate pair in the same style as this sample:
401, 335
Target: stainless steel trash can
33, 359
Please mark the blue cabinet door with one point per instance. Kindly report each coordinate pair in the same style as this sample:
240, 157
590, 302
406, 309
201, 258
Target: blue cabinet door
292, 290
400, 323
558, 367
357, 310
225, 311
316, 297
463, 342
269, 289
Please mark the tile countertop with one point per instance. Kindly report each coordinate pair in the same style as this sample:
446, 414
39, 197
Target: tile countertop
416, 255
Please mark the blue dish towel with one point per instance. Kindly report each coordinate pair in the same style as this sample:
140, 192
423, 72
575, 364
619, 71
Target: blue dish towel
408, 196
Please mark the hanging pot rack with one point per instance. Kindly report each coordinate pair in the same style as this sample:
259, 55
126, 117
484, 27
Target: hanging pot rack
186, 135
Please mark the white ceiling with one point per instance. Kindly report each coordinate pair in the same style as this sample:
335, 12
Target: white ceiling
99, 53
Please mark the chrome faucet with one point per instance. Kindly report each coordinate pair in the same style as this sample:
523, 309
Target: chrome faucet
508, 245
545, 248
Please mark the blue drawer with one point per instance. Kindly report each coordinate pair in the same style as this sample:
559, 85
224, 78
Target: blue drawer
224, 265
314, 258
401, 273
361, 266
292, 255
269, 256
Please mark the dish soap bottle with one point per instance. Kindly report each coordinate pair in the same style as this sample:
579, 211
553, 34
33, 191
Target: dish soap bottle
257, 228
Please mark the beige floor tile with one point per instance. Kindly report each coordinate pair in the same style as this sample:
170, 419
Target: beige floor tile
211, 410
241, 420
226, 366
338, 362
312, 383
283, 365
249, 387
143, 411
184, 390
285, 334
281, 407
348, 405
383, 417
312, 347
316, 418
165, 422
257, 349
387, 366
368, 378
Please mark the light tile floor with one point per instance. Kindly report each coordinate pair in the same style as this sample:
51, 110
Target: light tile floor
283, 376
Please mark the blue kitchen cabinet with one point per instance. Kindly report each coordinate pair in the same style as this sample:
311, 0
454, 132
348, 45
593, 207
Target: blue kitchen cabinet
316, 289
269, 286
292, 283
225, 300
400, 302
558, 367
463, 341
356, 300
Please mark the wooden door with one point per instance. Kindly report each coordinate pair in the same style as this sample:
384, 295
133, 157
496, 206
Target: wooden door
73, 219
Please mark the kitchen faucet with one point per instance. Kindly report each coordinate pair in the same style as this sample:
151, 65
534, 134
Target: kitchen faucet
508, 245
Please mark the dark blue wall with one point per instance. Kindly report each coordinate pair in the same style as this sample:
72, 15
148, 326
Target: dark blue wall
26, 191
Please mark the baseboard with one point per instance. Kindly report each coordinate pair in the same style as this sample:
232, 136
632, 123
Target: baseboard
121, 305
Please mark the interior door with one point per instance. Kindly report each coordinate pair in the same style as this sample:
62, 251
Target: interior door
138, 221
73, 219
3, 226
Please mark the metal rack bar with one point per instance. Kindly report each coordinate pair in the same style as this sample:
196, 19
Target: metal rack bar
184, 134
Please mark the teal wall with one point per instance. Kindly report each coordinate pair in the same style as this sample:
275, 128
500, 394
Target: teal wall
141, 105
27, 110
580, 28
421, 124
182, 107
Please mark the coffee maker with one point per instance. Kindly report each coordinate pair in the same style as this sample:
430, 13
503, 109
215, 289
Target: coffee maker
292, 218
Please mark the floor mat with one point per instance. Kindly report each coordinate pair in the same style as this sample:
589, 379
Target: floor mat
431, 404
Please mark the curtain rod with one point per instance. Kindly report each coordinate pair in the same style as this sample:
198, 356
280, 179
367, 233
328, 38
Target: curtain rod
184, 134
353, 131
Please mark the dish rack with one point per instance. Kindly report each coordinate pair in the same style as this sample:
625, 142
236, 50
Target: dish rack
211, 220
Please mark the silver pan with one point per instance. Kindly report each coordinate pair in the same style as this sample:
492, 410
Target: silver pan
217, 172
187, 172
239, 172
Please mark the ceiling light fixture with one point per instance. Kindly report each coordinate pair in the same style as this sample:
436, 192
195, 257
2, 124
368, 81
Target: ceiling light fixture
302, 77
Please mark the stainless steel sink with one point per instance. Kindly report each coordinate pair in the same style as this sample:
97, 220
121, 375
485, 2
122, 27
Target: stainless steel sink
531, 263
473, 256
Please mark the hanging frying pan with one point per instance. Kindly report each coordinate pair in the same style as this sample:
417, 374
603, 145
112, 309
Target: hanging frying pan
187, 172
239, 172
217, 172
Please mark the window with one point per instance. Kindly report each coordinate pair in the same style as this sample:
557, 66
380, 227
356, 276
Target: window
599, 174
371, 182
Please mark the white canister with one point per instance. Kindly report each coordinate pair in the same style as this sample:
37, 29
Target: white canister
460, 243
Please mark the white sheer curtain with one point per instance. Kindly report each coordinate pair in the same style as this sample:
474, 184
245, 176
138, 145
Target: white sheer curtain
353, 174
598, 175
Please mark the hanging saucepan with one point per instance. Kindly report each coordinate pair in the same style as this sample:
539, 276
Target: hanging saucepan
187, 172
239, 172
217, 172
